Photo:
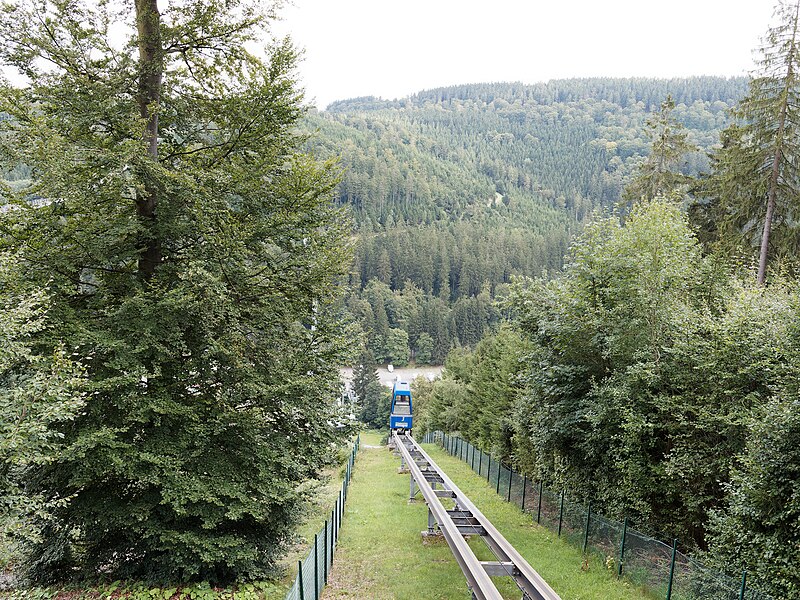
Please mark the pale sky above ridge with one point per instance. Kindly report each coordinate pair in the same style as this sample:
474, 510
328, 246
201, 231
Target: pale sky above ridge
394, 49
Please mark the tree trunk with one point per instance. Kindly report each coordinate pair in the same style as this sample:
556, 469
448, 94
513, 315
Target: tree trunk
773, 184
776, 161
151, 67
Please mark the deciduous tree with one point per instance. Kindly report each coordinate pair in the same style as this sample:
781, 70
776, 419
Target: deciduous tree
191, 252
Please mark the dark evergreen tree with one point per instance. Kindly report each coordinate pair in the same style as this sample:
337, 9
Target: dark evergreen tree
191, 251
661, 172
364, 372
376, 406
755, 185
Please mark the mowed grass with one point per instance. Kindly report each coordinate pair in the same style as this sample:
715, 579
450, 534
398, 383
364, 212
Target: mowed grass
321, 503
381, 554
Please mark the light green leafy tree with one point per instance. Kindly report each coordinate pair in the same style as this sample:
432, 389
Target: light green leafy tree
397, 351
191, 252
37, 390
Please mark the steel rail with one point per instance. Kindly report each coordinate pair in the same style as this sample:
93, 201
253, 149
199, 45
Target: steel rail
510, 562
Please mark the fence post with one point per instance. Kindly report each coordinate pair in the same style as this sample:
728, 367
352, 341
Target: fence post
672, 568
300, 575
561, 513
622, 547
744, 584
472, 462
316, 568
489, 468
480, 462
325, 554
338, 521
586, 533
333, 528
510, 479
539, 507
499, 466
524, 486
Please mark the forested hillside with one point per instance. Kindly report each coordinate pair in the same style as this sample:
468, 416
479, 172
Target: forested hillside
455, 190
656, 374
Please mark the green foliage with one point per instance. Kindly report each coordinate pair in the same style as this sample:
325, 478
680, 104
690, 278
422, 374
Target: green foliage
397, 351
457, 190
374, 399
377, 405
424, 349
260, 590
37, 391
196, 282
364, 372
648, 366
638, 376
477, 393
757, 529
751, 203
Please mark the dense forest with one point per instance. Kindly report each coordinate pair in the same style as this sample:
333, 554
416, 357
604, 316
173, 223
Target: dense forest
454, 191
608, 269
656, 373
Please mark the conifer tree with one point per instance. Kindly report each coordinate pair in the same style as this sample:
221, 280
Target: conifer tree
756, 180
660, 173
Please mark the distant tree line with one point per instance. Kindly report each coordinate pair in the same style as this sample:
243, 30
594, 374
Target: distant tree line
657, 373
457, 190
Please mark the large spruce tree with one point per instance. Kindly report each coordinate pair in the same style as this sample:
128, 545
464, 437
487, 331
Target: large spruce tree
755, 185
191, 252
660, 174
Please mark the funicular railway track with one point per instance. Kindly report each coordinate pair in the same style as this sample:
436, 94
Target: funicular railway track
465, 519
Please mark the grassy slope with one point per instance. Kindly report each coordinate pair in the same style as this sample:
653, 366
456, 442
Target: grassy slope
381, 556
320, 506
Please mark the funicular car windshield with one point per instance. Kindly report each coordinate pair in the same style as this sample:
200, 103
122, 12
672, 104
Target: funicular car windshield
401, 407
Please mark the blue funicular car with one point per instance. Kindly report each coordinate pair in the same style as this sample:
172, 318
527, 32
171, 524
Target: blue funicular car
400, 420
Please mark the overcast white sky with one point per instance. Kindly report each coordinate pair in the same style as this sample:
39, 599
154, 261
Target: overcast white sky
392, 49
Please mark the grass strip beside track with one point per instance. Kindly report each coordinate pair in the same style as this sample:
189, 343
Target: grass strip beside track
381, 554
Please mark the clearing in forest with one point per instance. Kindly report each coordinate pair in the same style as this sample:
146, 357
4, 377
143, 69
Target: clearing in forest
381, 554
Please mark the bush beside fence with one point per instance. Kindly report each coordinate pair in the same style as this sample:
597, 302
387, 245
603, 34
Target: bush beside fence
313, 571
642, 559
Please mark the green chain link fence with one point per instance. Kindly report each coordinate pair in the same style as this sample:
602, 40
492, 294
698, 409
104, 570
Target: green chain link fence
313, 571
643, 560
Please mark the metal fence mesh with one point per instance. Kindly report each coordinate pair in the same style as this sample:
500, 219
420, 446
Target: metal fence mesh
643, 560
313, 570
